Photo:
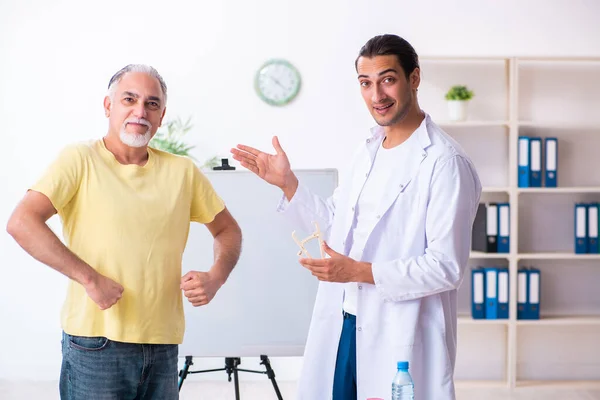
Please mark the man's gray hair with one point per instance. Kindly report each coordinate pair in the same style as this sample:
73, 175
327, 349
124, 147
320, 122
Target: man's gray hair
116, 78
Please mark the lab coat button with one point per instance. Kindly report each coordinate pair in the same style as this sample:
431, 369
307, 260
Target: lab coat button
359, 287
368, 140
352, 209
359, 329
379, 216
424, 155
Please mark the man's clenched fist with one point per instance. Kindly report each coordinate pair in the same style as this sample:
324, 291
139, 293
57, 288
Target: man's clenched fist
200, 287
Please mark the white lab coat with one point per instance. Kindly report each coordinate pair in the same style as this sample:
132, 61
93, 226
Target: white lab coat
418, 246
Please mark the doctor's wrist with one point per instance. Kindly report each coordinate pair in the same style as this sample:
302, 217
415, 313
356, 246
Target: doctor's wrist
365, 272
290, 186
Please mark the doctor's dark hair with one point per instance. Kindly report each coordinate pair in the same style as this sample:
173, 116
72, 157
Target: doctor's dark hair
384, 45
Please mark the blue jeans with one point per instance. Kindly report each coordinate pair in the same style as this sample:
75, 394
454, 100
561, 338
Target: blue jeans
96, 368
344, 380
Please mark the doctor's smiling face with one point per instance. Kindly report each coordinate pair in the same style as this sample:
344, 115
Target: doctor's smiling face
387, 91
389, 75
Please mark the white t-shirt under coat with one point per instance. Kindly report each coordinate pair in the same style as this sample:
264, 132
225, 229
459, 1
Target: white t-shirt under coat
385, 164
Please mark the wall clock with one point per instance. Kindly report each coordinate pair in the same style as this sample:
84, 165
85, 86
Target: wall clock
277, 82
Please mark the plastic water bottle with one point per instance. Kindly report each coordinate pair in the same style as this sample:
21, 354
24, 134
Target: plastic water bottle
402, 385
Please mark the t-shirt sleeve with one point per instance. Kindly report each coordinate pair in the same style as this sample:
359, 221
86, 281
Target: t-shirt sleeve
62, 178
206, 204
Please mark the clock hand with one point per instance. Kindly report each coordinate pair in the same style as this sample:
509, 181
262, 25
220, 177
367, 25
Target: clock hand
277, 82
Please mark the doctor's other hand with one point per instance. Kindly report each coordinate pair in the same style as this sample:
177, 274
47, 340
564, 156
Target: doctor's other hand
200, 287
273, 168
338, 268
103, 291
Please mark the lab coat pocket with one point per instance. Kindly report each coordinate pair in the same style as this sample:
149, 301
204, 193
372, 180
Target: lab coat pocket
403, 214
403, 317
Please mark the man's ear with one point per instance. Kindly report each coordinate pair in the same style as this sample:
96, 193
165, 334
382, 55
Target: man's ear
415, 78
107, 105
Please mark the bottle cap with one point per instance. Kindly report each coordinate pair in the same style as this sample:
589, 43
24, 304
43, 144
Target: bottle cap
403, 365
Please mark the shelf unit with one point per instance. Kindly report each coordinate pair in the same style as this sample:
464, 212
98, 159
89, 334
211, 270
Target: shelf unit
525, 96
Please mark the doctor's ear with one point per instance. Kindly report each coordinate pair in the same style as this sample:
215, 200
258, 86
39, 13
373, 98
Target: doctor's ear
415, 78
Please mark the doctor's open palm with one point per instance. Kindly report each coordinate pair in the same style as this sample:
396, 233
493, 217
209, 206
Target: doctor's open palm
273, 168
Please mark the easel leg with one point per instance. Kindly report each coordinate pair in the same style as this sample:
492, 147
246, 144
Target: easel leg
184, 372
271, 374
236, 383
231, 367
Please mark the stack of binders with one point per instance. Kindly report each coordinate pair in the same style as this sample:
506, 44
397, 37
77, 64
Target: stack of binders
586, 228
530, 162
528, 293
489, 293
491, 228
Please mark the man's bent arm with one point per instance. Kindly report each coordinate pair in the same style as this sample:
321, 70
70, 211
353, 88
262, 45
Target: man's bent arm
227, 244
27, 225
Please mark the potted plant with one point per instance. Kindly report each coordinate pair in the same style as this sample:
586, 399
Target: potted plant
172, 141
458, 98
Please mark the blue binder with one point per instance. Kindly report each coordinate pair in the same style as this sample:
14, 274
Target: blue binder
534, 293
478, 293
491, 293
522, 289
592, 228
524, 158
503, 291
581, 241
503, 228
492, 227
551, 178
535, 148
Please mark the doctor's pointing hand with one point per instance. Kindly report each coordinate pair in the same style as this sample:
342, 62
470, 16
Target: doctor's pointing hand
274, 169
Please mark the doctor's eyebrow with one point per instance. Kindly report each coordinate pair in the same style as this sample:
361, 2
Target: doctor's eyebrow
381, 73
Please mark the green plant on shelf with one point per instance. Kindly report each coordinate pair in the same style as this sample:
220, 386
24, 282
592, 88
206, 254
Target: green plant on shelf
459, 92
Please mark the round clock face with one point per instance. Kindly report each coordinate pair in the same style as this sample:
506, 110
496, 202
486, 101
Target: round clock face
277, 82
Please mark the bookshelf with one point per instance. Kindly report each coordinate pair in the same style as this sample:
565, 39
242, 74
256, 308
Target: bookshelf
546, 97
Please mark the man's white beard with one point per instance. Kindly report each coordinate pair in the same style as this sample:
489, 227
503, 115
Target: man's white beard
136, 139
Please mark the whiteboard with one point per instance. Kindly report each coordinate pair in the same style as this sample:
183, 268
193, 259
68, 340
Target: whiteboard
266, 305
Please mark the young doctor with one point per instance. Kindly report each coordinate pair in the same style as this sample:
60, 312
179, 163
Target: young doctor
399, 237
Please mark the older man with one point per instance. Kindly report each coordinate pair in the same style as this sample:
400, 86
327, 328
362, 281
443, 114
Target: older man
126, 210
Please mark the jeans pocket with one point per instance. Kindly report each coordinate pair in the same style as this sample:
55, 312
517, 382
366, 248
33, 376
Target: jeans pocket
87, 343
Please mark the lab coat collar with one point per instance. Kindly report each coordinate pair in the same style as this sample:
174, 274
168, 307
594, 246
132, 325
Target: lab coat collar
377, 135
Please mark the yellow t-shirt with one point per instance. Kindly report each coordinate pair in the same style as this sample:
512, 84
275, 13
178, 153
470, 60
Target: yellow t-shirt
131, 224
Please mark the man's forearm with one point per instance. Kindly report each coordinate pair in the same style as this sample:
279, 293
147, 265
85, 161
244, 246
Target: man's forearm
37, 239
227, 248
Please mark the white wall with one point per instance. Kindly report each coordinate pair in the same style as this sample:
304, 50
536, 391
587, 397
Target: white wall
56, 59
